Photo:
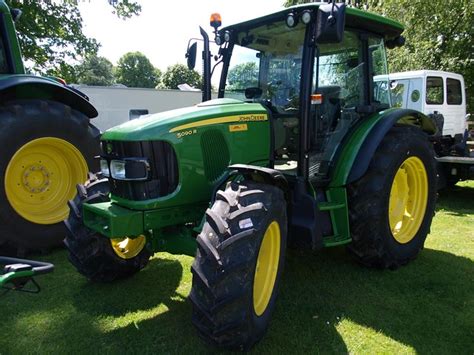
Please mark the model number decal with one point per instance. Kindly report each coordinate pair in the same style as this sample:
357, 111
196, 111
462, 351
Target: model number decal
186, 133
252, 118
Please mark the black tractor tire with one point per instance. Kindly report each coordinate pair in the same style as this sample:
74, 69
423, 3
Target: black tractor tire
374, 241
91, 253
23, 122
222, 294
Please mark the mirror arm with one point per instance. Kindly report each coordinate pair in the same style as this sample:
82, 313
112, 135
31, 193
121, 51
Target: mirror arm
206, 63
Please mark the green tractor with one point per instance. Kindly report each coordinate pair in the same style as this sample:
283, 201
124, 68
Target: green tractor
300, 149
48, 147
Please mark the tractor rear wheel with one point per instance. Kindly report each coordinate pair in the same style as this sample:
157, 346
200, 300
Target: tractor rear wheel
47, 148
238, 264
95, 256
392, 205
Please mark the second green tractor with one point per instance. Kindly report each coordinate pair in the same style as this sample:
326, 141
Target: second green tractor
300, 149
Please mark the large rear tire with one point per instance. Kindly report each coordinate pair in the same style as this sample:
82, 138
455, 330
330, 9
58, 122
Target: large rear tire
392, 205
238, 264
47, 148
95, 256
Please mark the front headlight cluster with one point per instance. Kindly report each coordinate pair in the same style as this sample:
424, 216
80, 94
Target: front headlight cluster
126, 169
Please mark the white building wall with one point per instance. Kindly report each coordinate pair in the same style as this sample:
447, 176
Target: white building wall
114, 104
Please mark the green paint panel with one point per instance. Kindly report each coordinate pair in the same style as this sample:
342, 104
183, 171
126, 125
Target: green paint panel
13, 39
112, 220
4, 279
352, 147
337, 206
206, 139
172, 216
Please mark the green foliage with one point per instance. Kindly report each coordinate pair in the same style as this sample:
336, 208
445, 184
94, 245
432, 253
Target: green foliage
51, 36
95, 70
125, 9
180, 74
242, 76
439, 36
135, 70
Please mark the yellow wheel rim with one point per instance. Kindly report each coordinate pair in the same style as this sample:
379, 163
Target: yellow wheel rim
267, 268
42, 176
127, 248
408, 200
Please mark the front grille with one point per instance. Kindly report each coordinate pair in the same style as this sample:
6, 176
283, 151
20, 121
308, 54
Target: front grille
164, 176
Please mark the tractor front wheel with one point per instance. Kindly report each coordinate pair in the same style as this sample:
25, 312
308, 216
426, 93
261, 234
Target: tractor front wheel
95, 256
238, 264
392, 205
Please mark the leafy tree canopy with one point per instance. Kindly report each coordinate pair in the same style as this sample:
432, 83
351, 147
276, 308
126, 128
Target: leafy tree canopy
51, 36
134, 69
439, 36
95, 70
242, 76
180, 74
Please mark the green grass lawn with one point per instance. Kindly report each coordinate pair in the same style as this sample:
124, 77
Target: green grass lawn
327, 303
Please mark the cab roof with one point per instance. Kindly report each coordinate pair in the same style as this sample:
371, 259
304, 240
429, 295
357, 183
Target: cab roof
355, 18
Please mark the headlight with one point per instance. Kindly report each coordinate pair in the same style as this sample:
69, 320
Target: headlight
104, 167
130, 169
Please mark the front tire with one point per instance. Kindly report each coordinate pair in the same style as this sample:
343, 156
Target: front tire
95, 256
47, 148
391, 207
238, 264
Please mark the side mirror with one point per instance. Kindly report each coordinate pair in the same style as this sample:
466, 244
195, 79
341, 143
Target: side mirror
253, 93
330, 23
396, 42
16, 14
191, 55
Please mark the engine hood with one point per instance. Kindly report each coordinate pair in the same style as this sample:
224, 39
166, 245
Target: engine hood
159, 125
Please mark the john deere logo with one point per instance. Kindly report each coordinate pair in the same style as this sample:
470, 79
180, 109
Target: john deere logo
109, 148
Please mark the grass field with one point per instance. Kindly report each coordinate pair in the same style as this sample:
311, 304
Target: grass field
327, 303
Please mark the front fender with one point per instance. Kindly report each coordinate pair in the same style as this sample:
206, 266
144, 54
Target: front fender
17, 87
359, 149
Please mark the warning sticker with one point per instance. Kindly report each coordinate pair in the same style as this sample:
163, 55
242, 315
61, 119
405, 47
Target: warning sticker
245, 223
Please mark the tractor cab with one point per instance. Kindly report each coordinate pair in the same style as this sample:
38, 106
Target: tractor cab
313, 68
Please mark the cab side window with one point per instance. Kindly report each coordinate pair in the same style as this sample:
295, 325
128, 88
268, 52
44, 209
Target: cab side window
434, 90
454, 92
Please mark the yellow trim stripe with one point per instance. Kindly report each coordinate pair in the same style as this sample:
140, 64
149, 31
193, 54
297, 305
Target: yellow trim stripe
237, 118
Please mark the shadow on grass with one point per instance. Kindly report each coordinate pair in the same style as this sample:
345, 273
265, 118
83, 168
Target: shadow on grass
427, 305
457, 200
154, 285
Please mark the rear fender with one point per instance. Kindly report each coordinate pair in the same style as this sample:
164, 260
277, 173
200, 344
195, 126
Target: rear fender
359, 149
17, 87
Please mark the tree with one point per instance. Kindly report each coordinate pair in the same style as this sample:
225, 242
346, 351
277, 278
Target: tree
95, 70
51, 37
134, 69
242, 76
439, 36
180, 74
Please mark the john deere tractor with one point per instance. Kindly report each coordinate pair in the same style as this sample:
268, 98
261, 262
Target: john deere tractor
300, 148
48, 145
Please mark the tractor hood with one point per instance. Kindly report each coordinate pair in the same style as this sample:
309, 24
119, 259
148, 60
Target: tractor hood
162, 125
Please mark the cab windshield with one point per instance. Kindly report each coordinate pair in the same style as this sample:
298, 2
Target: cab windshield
268, 57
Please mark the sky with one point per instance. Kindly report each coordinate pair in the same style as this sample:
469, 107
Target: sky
163, 29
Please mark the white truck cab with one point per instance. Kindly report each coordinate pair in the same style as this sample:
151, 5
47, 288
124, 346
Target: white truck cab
431, 92
441, 96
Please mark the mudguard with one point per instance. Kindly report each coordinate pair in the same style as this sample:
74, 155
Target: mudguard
17, 87
359, 149
262, 174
